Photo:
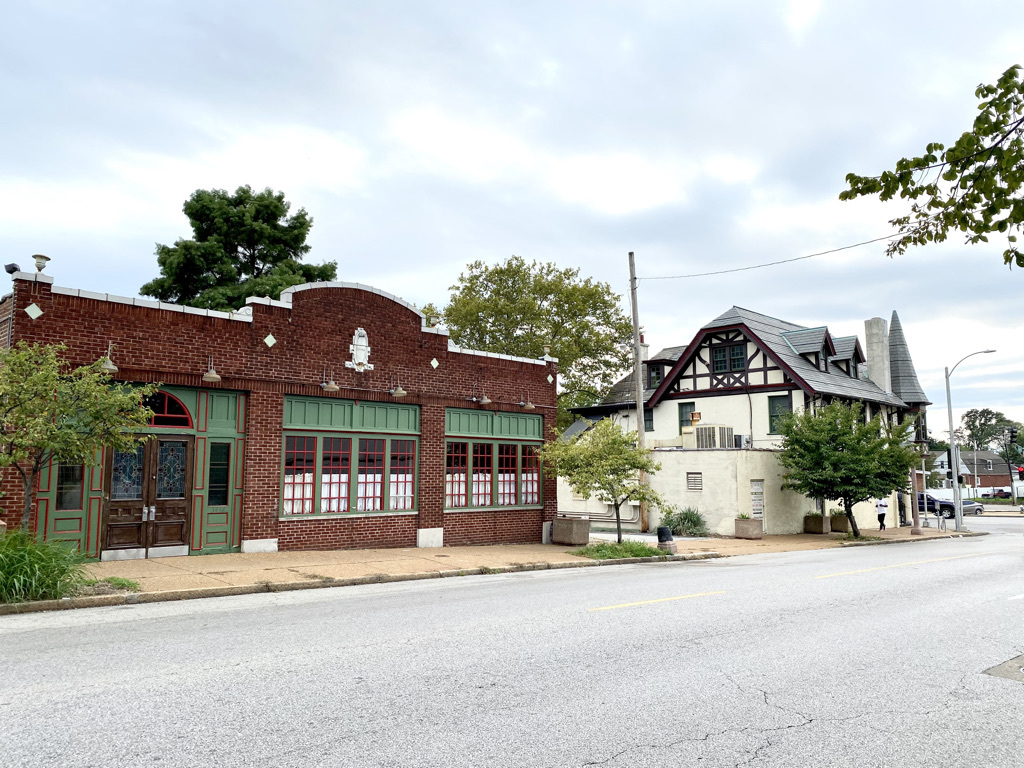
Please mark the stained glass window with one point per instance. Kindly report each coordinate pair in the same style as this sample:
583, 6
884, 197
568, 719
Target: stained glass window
126, 475
171, 469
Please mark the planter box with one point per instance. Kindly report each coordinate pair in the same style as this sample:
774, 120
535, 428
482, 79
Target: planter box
840, 524
749, 529
817, 524
571, 530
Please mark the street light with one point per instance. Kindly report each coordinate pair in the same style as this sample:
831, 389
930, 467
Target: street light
954, 452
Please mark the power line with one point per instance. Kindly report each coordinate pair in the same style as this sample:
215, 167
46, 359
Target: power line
772, 263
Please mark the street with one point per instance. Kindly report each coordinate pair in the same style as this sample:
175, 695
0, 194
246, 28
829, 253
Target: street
862, 656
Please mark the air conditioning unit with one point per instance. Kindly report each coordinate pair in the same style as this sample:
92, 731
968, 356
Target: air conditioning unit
708, 437
741, 441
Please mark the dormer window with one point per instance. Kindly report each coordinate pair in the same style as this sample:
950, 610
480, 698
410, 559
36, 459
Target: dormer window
655, 374
737, 358
732, 358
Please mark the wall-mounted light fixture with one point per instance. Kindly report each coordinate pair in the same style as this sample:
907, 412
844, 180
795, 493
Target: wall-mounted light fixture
108, 364
482, 400
328, 385
211, 376
526, 405
396, 390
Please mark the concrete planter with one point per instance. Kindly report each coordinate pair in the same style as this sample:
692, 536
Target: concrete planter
571, 530
840, 524
817, 524
749, 528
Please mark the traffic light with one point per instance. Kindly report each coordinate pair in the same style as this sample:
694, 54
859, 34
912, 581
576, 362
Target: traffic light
1013, 435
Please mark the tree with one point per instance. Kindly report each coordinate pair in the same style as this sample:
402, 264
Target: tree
832, 453
935, 444
244, 244
980, 427
974, 186
50, 411
605, 462
517, 308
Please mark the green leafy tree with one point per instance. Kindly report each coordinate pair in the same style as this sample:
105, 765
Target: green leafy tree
605, 462
981, 427
832, 454
935, 444
49, 410
516, 308
974, 186
244, 244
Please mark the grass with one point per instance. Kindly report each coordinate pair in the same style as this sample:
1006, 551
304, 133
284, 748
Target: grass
863, 537
97, 586
33, 570
609, 550
685, 522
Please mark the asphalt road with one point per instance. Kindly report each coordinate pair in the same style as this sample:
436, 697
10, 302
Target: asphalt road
870, 656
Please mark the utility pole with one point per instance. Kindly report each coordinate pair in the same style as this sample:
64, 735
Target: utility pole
638, 380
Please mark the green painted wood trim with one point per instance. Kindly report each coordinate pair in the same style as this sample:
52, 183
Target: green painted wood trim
350, 416
465, 422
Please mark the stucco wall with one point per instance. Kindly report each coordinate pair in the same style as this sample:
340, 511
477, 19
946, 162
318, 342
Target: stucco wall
726, 477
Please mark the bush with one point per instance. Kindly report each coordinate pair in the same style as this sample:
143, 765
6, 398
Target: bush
30, 570
609, 550
685, 522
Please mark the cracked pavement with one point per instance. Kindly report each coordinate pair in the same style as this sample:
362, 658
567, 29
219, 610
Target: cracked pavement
752, 661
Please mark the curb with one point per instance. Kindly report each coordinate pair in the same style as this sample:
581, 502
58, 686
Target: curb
138, 598
915, 540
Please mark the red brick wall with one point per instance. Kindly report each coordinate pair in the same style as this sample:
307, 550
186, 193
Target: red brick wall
315, 332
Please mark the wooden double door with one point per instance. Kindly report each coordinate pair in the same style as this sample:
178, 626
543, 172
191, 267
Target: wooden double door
148, 499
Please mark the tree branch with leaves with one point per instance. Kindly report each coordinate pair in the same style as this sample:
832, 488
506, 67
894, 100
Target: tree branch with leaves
974, 186
51, 411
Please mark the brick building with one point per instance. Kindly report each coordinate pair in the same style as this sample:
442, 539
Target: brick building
333, 418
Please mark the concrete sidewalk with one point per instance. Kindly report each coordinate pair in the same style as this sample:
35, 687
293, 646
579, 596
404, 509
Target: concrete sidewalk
184, 578
177, 573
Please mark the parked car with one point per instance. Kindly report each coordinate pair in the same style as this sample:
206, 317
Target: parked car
996, 495
946, 508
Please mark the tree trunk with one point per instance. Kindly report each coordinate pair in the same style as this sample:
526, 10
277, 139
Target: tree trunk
618, 521
849, 516
29, 482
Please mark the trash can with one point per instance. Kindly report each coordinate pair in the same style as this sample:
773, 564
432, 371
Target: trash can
664, 533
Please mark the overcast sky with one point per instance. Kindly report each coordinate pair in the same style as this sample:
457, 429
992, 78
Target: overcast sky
421, 136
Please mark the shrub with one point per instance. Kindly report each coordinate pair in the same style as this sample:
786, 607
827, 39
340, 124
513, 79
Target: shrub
685, 522
31, 570
609, 550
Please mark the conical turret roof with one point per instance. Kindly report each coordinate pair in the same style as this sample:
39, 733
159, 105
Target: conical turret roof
901, 367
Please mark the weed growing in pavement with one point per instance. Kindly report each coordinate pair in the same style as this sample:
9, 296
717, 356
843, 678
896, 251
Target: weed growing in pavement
609, 550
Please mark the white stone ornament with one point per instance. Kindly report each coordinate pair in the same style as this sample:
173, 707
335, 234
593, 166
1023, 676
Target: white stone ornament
551, 379
434, 363
270, 340
360, 350
33, 311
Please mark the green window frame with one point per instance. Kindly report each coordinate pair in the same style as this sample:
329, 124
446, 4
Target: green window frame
738, 357
70, 488
346, 473
648, 420
491, 474
655, 375
218, 490
686, 411
720, 359
778, 406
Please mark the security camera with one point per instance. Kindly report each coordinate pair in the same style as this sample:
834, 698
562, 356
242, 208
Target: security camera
12, 268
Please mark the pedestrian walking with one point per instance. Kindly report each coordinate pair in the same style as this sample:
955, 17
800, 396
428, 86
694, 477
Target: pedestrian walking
881, 508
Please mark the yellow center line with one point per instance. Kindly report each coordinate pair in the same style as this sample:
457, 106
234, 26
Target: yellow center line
659, 600
902, 565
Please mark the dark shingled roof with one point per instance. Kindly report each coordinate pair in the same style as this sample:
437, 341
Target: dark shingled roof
834, 382
806, 340
844, 347
901, 368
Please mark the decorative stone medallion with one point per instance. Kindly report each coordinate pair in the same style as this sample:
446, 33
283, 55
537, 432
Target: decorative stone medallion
360, 350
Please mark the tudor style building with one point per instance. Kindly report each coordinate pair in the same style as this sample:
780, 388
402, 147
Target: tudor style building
713, 406
336, 417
